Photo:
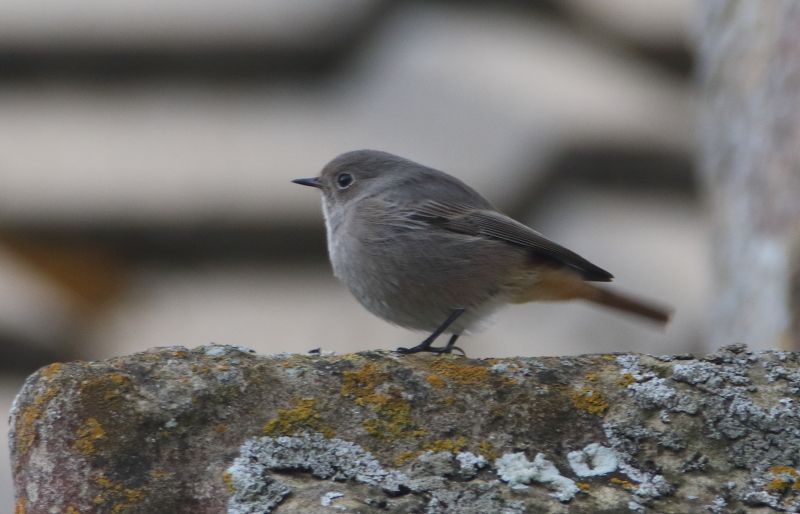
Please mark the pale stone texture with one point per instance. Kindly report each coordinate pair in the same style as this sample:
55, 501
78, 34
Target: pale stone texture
219, 429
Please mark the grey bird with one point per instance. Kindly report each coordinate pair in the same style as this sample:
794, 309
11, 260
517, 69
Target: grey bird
421, 249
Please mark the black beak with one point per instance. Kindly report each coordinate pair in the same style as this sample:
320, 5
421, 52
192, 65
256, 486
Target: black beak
313, 182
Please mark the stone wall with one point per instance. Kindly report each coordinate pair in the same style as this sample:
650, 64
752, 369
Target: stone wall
219, 429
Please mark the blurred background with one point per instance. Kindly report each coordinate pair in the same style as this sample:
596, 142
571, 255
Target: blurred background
147, 148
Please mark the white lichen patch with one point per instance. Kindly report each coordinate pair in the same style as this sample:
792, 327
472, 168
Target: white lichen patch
327, 498
324, 458
500, 367
255, 491
219, 350
651, 485
471, 463
594, 460
517, 470
636, 507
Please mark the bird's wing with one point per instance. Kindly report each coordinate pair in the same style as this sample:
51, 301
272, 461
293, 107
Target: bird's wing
466, 219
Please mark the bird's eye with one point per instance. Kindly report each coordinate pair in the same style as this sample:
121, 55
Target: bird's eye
343, 180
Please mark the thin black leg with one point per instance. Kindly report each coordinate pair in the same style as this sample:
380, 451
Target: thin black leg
425, 346
451, 345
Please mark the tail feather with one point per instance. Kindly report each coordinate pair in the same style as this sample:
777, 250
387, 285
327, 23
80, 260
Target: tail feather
628, 304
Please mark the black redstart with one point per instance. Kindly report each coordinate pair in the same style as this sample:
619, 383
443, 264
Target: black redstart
423, 250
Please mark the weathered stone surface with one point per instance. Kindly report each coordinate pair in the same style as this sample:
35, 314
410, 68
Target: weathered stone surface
218, 429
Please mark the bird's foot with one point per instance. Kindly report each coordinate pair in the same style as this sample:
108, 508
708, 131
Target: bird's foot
426, 346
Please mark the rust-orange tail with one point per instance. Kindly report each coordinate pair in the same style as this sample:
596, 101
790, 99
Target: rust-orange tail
629, 304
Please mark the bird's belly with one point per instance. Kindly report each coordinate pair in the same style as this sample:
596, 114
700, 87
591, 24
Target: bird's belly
418, 286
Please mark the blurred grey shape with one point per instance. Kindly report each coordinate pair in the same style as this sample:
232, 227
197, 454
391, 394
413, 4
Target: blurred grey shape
485, 96
654, 23
36, 318
164, 23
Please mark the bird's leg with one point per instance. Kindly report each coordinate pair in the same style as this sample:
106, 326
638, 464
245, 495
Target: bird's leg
451, 345
425, 346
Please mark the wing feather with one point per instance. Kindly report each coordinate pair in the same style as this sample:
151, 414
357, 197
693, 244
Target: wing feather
488, 223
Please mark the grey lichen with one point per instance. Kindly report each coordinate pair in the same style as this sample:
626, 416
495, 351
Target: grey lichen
254, 491
329, 497
761, 437
334, 459
257, 490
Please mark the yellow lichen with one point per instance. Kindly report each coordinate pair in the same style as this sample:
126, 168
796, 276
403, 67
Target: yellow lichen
589, 400
592, 377
72, 510
90, 432
625, 484
26, 422
302, 417
454, 445
435, 380
118, 378
626, 380
393, 413
221, 428
105, 388
119, 497
362, 382
784, 478
227, 479
52, 370
446, 445
406, 456
19, 506
783, 470
463, 374
778, 485
394, 418
486, 448
583, 486
159, 474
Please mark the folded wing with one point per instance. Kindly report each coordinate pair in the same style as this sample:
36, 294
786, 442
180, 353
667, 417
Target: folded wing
492, 224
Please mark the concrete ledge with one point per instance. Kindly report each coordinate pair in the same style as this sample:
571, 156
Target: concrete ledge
219, 429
